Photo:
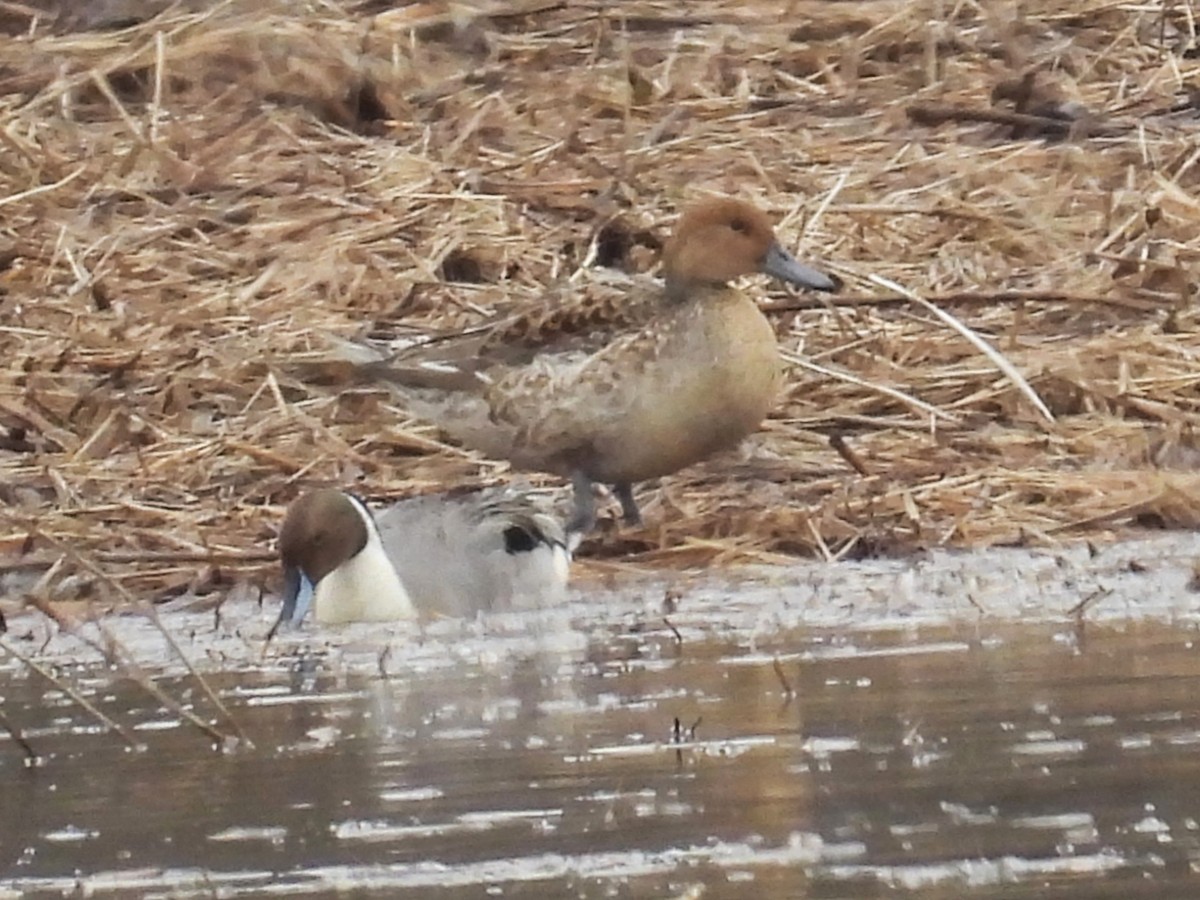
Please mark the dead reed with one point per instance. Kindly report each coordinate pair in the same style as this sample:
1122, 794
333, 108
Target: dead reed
190, 201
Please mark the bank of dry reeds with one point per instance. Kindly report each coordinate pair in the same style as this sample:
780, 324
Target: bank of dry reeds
189, 201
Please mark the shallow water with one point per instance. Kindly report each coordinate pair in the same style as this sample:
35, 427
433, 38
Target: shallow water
960, 762
541, 757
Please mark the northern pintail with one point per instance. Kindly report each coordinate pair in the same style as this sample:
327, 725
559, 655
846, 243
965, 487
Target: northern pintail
620, 387
449, 554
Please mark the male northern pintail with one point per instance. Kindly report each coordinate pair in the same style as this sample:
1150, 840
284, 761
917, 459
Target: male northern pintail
450, 554
622, 387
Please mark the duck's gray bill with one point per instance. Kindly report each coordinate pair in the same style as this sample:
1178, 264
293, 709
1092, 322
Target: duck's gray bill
297, 598
782, 265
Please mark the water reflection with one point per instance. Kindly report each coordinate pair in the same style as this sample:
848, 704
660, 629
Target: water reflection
969, 761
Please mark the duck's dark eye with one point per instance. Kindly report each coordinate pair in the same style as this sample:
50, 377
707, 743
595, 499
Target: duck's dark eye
741, 226
518, 539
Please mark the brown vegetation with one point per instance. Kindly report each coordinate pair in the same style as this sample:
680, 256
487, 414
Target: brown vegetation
188, 202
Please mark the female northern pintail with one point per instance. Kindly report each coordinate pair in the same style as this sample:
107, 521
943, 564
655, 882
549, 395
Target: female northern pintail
624, 386
450, 554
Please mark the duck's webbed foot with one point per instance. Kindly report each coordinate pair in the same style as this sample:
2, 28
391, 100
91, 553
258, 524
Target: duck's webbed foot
629, 508
583, 517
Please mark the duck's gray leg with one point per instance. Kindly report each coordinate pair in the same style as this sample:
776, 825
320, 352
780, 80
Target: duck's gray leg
629, 508
583, 518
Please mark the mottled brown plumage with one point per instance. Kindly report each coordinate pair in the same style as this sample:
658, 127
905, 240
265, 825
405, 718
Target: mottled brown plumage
622, 385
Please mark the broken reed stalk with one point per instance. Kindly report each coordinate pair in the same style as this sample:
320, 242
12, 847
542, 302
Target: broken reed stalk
130, 741
1001, 362
152, 613
147, 558
31, 756
127, 661
788, 691
797, 304
37, 599
932, 411
941, 113
1080, 608
134, 670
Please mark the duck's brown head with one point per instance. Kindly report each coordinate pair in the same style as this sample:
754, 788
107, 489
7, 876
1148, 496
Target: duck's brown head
724, 238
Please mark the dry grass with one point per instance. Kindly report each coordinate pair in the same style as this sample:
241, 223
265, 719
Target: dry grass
187, 202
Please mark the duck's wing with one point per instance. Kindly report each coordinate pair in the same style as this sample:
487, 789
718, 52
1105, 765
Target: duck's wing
572, 321
530, 387
463, 553
585, 320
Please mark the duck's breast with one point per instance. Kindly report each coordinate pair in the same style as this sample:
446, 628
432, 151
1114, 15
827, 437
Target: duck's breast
711, 381
365, 588
696, 379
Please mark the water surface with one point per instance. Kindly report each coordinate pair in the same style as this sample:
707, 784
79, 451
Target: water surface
627, 754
